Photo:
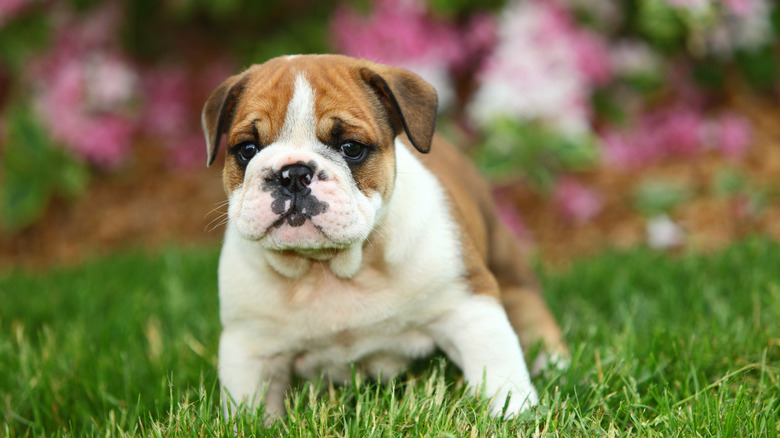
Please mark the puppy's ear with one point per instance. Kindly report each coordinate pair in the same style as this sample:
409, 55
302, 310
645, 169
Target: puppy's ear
410, 101
218, 112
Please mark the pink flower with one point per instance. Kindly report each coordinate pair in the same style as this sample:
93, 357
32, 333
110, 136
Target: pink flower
676, 132
106, 140
477, 39
543, 68
10, 8
576, 202
740, 8
167, 102
733, 136
110, 81
590, 51
403, 33
100, 137
593, 58
172, 99
395, 32
621, 150
84, 88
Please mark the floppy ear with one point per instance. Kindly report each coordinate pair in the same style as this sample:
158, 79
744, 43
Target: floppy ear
410, 100
218, 112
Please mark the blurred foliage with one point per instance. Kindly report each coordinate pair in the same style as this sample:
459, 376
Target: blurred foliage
461, 8
736, 185
21, 38
534, 151
759, 66
249, 30
653, 197
195, 33
37, 169
658, 23
728, 182
34, 170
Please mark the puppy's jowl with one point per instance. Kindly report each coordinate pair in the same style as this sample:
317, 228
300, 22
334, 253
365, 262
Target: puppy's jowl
357, 236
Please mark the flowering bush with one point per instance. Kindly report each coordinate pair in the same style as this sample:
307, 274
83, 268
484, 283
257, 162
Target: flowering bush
543, 68
84, 87
86, 83
547, 89
405, 34
561, 83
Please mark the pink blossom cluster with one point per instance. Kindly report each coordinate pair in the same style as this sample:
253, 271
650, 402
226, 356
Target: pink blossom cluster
84, 87
96, 102
575, 201
173, 97
678, 132
403, 33
544, 68
11, 8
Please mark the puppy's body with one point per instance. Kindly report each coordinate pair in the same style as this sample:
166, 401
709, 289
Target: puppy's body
330, 260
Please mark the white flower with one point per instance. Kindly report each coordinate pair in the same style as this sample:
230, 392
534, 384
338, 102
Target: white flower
663, 233
533, 73
630, 58
110, 82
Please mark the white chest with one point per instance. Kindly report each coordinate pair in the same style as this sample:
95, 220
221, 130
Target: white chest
379, 315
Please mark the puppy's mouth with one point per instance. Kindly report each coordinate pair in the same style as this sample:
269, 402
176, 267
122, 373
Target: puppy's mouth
295, 209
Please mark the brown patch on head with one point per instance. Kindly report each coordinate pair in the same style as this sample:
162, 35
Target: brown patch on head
355, 100
347, 111
260, 115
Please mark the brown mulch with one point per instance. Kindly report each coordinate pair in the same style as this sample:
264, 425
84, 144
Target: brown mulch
148, 205
709, 220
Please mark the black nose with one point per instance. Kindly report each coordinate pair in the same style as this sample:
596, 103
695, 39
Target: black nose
296, 177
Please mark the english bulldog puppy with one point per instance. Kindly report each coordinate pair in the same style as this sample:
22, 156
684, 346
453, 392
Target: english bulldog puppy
356, 235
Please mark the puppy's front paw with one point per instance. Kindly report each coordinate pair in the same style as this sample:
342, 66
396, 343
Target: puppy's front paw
521, 397
549, 361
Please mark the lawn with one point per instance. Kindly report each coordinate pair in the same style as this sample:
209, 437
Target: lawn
662, 346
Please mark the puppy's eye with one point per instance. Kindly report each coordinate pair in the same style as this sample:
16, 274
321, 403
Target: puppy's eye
245, 152
354, 152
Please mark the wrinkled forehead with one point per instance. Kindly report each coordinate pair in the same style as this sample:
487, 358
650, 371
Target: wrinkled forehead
303, 90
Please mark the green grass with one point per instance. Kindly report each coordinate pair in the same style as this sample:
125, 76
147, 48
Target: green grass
662, 346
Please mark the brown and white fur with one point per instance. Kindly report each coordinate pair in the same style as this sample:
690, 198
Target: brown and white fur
375, 262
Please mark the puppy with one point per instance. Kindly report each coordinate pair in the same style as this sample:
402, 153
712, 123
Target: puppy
357, 236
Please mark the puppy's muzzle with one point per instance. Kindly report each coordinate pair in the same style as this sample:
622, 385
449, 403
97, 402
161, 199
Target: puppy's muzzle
293, 198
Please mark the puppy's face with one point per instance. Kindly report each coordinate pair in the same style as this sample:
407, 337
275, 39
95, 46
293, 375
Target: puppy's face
310, 160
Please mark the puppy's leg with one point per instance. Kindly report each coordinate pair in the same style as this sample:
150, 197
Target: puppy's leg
533, 322
522, 298
477, 336
249, 378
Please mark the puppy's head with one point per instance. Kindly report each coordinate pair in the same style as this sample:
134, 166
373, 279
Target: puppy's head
310, 160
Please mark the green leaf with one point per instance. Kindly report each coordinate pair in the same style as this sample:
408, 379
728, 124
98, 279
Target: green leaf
728, 182
709, 73
655, 197
513, 149
660, 24
34, 171
461, 8
21, 37
760, 66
